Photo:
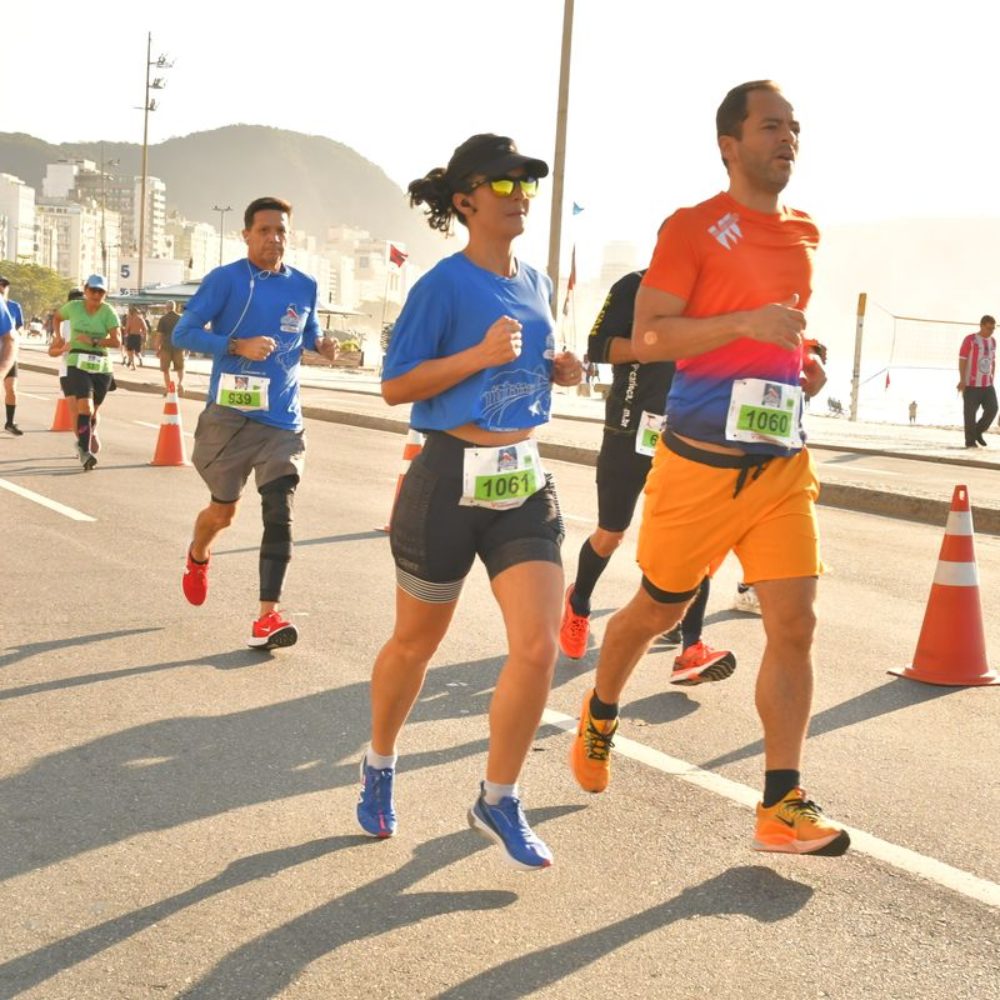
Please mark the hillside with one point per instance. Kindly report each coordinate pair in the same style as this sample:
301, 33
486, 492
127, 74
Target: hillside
327, 182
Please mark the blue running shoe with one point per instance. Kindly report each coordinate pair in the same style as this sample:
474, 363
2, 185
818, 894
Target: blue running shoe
505, 824
376, 813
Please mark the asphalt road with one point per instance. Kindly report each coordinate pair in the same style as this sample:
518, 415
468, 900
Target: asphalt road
176, 811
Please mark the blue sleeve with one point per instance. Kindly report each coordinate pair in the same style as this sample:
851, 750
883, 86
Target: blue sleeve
205, 307
312, 332
419, 333
17, 317
6, 323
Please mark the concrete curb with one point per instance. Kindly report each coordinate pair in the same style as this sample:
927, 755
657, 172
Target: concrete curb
907, 507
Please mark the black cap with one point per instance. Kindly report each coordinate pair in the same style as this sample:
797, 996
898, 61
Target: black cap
491, 155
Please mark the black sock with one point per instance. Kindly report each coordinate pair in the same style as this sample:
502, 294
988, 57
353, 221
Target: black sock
10, 413
694, 618
83, 430
601, 710
777, 784
589, 568
743, 587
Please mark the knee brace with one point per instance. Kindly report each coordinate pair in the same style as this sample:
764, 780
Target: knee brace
276, 545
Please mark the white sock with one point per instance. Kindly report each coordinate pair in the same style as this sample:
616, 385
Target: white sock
493, 792
379, 762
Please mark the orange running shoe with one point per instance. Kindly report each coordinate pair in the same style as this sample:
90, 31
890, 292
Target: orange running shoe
590, 755
795, 825
700, 663
574, 631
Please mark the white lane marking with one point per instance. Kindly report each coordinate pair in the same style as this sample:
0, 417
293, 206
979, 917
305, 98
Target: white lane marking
582, 520
46, 502
156, 427
899, 857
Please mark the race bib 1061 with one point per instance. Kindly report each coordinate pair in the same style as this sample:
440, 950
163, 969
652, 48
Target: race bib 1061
501, 478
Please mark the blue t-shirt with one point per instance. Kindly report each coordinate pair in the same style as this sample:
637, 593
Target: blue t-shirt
449, 310
240, 300
17, 317
6, 320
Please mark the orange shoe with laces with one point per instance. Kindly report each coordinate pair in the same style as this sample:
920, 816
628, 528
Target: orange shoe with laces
574, 630
699, 663
796, 825
590, 755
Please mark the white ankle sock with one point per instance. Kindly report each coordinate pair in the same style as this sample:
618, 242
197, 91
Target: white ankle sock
379, 762
493, 792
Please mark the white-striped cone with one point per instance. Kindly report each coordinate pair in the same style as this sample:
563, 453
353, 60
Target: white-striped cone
414, 445
951, 649
170, 443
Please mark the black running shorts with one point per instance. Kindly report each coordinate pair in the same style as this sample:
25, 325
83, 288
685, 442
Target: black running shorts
621, 475
435, 540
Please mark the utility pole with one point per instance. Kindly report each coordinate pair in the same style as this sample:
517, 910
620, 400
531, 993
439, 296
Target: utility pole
104, 228
222, 219
158, 83
559, 165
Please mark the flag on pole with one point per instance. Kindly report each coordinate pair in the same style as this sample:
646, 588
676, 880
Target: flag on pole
887, 378
577, 209
397, 256
571, 284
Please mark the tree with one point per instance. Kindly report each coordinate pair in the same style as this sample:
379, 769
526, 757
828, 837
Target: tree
38, 289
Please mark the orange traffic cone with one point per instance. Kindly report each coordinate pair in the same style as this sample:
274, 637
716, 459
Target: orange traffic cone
61, 420
951, 649
414, 445
170, 443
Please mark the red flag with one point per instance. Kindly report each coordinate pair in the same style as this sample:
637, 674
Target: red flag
397, 256
571, 284
887, 378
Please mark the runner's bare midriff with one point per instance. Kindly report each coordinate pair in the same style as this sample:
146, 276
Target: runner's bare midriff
475, 434
720, 449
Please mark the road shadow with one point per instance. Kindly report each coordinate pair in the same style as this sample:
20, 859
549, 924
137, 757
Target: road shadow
892, 696
751, 891
357, 536
170, 772
13, 654
262, 968
668, 706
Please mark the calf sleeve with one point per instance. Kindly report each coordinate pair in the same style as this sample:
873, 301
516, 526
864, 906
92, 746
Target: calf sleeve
276, 545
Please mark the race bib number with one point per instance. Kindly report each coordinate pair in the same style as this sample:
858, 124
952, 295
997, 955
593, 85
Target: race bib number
501, 478
650, 428
242, 392
93, 364
763, 412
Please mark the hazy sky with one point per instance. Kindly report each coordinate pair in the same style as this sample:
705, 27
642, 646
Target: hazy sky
897, 102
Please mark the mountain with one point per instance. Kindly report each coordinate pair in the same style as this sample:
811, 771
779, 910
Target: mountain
327, 182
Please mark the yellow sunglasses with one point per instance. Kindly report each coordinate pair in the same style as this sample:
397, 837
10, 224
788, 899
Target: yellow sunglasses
503, 187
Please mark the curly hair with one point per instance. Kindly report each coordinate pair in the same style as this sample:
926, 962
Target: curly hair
435, 191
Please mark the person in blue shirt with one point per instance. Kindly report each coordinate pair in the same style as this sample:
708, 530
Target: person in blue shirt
262, 315
473, 350
10, 379
8, 343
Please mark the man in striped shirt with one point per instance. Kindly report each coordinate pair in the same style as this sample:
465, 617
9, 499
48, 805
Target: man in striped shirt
976, 368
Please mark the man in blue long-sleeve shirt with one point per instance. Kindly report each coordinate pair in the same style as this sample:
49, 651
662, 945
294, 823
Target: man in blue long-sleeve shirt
262, 315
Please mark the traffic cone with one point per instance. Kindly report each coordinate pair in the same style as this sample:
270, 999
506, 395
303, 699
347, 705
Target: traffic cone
414, 445
61, 420
170, 443
951, 649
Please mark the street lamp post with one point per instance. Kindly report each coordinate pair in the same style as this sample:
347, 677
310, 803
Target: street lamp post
559, 164
222, 220
104, 229
157, 83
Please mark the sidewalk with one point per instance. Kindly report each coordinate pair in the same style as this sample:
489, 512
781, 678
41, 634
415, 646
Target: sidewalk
352, 396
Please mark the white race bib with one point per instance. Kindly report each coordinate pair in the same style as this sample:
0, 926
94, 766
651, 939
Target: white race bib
242, 392
93, 364
501, 478
650, 428
762, 412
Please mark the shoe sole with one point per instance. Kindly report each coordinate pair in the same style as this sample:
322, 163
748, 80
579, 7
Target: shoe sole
834, 847
368, 833
281, 639
717, 671
89, 463
481, 826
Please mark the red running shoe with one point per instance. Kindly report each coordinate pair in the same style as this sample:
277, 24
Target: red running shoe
195, 580
574, 630
271, 631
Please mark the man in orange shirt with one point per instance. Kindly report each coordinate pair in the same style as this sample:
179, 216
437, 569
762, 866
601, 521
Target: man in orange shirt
724, 297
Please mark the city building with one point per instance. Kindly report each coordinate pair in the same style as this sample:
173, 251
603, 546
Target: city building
17, 220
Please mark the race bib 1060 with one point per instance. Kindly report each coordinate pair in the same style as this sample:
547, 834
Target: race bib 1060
763, 412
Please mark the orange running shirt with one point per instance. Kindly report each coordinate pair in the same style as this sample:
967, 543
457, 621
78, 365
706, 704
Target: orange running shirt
722, 257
